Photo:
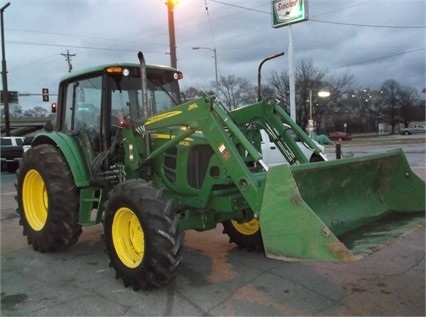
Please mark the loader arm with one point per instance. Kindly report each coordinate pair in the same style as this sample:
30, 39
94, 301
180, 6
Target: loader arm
209, 117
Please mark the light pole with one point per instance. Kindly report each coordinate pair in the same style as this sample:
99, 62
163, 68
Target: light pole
215, 64
4, 75
172, 40
259, 74
322, 94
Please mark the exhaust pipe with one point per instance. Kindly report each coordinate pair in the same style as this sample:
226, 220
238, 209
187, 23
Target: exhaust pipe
144, 84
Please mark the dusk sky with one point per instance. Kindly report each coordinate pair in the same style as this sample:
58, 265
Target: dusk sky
372, 40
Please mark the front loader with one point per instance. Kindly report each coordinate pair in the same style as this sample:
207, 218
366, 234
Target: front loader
126, 152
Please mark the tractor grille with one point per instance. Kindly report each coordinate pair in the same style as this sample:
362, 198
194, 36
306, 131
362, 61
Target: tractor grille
198, 162
170, 159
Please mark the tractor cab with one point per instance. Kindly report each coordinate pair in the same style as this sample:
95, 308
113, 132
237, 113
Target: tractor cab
93, 102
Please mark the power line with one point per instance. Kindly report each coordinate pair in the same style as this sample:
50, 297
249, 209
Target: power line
370, 25
329, 22
241, 7
72, 46
379, 58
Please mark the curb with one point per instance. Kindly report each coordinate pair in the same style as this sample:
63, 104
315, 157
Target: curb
381, 141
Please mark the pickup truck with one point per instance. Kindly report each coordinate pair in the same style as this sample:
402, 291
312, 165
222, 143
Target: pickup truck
414, 127
272, 155
12, 149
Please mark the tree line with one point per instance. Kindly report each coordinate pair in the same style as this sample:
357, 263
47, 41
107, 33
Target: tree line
349, 108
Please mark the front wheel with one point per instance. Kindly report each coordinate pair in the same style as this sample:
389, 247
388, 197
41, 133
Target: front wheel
48, 200
245, 235
142, 235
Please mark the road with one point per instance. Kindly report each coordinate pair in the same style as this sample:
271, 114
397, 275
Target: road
215, 277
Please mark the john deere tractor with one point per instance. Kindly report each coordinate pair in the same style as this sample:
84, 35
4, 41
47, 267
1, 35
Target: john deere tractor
125, 151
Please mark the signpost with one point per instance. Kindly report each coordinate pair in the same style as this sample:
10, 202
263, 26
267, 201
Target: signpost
287, 12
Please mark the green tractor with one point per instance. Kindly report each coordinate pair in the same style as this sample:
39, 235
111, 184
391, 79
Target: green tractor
125, 151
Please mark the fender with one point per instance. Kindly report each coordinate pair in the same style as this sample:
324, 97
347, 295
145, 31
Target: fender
71, 152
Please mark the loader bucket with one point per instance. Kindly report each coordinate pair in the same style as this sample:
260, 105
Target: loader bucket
340, 210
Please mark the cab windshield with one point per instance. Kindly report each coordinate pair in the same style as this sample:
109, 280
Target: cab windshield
126, 92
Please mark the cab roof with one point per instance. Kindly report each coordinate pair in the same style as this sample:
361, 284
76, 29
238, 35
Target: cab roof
101, 68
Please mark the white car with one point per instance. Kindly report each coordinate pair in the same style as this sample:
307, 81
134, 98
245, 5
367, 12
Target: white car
272, 155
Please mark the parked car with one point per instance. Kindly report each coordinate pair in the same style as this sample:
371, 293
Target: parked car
12, 150
272, 155
11, 153
340, 136
27, 143
414, 127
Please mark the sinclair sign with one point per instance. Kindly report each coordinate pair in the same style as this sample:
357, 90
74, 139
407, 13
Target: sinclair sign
286, 12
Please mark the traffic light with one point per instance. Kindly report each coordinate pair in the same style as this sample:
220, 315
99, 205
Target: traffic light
45, 93
53, 107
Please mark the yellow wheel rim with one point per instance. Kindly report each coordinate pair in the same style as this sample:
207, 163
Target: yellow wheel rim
247, 228
35, 200
128, 237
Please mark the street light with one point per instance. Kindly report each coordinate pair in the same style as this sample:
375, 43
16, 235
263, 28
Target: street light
4, 75
215, 64
322, 94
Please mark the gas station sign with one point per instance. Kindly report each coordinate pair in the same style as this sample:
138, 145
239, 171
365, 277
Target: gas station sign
285, 12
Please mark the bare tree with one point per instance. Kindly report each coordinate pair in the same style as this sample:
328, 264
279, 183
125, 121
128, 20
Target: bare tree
191, 93
36, 112
15, 110
392, 102
409, 110
277, 87
360, 108
236, 91
308, 78
325, 109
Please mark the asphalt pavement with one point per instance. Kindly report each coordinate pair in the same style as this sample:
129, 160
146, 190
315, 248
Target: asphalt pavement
215, 279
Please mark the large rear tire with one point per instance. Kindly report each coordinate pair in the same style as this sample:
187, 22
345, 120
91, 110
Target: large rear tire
245, 235
142, 235
48, 200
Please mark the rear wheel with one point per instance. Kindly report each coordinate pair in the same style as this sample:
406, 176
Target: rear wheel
142, 235
48, 200
246, 234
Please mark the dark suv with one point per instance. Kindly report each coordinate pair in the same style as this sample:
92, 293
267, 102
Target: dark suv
12, 149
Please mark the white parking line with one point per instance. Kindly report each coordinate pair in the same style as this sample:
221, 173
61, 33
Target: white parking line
9, 193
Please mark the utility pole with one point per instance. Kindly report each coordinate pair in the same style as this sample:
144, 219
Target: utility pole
4, 75
172, 40
68, 59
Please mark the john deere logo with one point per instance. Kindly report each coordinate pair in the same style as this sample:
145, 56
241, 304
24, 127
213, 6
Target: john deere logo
162, 116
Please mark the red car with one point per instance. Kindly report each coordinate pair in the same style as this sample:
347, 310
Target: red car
340, 136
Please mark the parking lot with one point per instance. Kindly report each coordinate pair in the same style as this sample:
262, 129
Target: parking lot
215, 278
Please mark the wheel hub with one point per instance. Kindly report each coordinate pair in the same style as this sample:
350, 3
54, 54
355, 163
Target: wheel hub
128, 237
35, 200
